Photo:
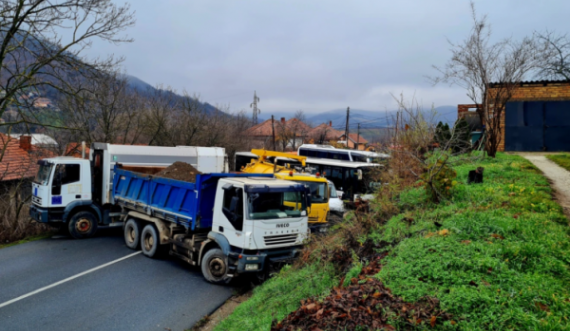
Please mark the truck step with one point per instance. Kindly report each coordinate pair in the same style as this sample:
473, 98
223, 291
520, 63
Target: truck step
182, 257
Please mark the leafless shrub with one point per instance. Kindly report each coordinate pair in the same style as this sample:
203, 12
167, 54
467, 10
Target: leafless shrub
14, 219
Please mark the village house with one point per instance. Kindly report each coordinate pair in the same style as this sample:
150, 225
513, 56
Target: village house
355, 141
536, 118
289, 134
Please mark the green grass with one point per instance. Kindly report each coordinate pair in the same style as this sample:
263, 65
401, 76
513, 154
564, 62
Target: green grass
505, 262
562, 160
502, 264
279, 296
28, 239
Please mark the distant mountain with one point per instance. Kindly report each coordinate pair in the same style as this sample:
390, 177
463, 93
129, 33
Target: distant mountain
137, 83
147, 89
367, 118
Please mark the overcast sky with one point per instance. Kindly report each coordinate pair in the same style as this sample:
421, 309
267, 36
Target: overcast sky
314, 55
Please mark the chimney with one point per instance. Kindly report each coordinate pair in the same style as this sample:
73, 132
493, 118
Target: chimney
330, 123
26, 143
283, 120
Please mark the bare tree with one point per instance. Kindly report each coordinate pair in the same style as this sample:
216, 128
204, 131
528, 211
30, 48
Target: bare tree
413, 158
41, 46
557, 61
107, 111
477, 62
298, 129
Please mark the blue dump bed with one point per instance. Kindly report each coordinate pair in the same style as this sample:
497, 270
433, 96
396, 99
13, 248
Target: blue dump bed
185, 203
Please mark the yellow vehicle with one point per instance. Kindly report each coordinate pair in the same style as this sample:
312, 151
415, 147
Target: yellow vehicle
319, 211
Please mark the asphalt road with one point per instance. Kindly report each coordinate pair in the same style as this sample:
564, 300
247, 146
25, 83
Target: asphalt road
135, 293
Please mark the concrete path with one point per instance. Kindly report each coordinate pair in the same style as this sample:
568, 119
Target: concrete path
100, 284
559, 177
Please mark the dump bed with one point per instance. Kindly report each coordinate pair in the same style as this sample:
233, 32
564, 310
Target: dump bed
184, 203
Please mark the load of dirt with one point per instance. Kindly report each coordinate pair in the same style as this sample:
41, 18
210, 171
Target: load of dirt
365, 304
180, 171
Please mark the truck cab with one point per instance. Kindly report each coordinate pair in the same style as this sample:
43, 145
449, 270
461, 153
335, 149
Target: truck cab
258, 224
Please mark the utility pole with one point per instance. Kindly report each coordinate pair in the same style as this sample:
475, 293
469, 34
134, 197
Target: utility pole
346, 131
358, 137
273, 131
256, 110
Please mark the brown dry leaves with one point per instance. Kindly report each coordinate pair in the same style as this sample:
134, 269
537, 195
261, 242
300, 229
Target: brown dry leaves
365, 303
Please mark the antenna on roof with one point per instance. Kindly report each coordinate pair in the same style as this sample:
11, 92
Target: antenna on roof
256, 110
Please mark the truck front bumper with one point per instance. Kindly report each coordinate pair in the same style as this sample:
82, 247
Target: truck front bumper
258, 262
39, 214
44, 215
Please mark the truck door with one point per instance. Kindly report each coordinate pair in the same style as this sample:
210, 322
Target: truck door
66, 185
232, 209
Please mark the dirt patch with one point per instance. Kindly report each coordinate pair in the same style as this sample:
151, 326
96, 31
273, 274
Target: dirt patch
209, 323
366, 304
558, 176
180, 171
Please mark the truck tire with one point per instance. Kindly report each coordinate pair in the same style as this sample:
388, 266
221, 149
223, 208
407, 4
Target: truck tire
215, 267
132, 234
82, 225
150, 242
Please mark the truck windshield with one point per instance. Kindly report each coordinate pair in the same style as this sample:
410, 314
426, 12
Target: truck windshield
318, 191
42, 177
270, 205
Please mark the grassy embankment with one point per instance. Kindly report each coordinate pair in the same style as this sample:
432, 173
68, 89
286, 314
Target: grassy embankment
496, 256
562, 160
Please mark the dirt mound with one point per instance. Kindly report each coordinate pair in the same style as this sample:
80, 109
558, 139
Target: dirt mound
180, 171
366, 304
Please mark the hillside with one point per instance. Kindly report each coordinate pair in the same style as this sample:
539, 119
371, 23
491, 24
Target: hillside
367, 118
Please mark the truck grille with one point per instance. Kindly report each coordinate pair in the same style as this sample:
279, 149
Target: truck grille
280, 239
36, 200
313, 219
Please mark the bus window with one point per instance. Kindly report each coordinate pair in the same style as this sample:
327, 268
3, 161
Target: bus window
336, 177
359, 157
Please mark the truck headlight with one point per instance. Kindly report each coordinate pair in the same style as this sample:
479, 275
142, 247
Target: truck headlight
252, 258
250, 267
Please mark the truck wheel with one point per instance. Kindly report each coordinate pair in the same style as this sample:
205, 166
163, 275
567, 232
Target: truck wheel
132, 234
215, 267
150, 242
82, 225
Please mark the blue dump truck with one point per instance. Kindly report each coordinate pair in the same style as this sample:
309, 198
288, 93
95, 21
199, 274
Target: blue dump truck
228, 224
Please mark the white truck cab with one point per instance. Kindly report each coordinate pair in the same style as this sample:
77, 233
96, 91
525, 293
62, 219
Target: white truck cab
61, 181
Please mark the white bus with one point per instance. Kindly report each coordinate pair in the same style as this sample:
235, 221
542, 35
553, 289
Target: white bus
330, 152
352, 179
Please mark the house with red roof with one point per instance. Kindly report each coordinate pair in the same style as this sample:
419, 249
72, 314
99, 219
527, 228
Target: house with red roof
289, 134
16, 163
355, 141
324, 133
